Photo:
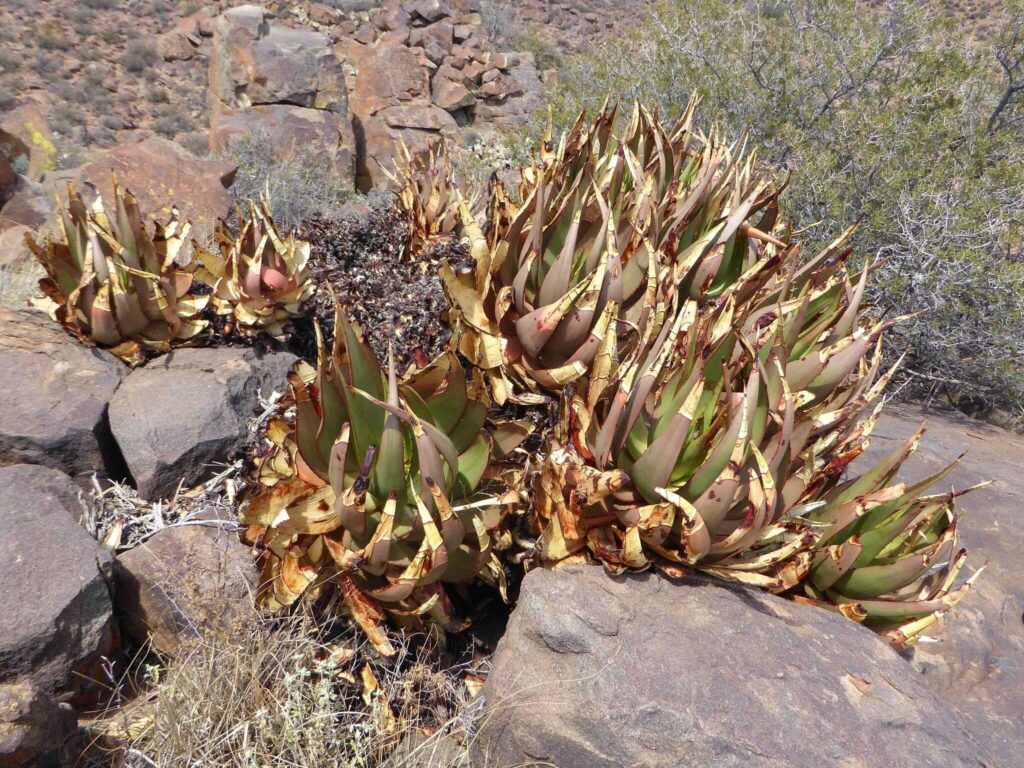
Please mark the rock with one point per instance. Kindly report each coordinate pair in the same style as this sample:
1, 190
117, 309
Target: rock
978, 660
13, 250
34, 730
178, 413
255, 62
423, 116
292, 131
183, 581
27, 206
29, 125
161, 173
323, 14
53, 397
436, 40
377, 142
603, 672
386, 75
429, 10
56, 618
451, 95
174, 46
47, 487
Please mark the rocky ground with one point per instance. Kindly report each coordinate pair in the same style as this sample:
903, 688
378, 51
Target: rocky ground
592, 671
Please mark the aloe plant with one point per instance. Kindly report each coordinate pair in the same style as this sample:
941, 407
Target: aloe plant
379, 486
112, 284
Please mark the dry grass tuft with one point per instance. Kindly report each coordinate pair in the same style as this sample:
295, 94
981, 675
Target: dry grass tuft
291, 692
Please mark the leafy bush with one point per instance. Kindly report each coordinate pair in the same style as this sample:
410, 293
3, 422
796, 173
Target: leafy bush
904, 122
298, 185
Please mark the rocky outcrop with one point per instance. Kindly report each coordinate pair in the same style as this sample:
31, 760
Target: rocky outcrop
53, 397
179, 413
56, 620
597, 671
184, 581
976, 656
35, 732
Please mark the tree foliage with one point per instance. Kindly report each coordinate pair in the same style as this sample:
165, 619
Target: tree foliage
890, 115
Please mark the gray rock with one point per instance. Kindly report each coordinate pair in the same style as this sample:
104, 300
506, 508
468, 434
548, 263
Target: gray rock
603, 672
34, 730
56, 617
179, 413
978, 659
53, 396
255, 62
183, 581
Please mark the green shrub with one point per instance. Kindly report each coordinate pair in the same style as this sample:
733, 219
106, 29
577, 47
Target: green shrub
905, 122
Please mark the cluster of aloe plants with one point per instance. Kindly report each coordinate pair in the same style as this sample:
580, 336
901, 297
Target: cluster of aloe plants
712, 385
114, 284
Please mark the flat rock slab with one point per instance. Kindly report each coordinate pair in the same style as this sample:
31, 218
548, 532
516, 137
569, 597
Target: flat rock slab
53, 396
183, 581
56, 616
180, 413
603, 672
978, 660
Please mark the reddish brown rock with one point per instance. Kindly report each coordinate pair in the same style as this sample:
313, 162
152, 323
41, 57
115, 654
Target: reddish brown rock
452, 95
161, 173
387, 75
174, 46
424, 116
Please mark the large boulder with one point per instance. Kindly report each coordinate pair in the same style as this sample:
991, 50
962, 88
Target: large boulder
163, 174
179, 413
977, 653
56, 619
292, 131
255, 62
183, 581
596, 671
53, 397
35, 732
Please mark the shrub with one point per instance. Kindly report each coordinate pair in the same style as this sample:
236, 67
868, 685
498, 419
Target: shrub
138, 57
297, 185
903, 123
